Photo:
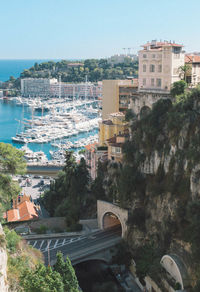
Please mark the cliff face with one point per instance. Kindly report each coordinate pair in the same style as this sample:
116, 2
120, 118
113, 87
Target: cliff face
3, 263
160, 179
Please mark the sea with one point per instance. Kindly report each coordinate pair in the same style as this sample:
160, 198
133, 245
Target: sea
11, 114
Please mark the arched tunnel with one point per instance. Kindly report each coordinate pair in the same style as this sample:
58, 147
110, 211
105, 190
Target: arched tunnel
110, 220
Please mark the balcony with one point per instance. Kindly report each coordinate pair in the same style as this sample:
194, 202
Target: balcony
154, 90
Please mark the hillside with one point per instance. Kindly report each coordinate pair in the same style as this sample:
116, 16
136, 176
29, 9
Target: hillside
95, 69
159, 183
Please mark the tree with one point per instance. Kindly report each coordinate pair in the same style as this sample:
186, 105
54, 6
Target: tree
65, 269
185, 70
11, 162
178, 88
42, 279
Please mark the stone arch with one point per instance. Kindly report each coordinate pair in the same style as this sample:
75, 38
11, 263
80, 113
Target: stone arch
111, 220
105, 209
175, 267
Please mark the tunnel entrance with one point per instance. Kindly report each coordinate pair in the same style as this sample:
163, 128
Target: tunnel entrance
110, 220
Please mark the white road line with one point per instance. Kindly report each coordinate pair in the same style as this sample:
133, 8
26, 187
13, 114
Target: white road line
63, 241
48, 244
41, 244
35, 243
56, 243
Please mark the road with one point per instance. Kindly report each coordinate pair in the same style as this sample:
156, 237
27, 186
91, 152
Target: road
76, 247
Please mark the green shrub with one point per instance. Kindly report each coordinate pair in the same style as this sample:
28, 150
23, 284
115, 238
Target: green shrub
12, 239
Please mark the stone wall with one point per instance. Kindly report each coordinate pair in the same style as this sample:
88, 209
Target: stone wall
105, 207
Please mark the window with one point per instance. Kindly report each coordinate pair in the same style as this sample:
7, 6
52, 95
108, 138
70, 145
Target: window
158, 82
118, 150
152, 81
144, 81
152, 68
144, 56
144, 68
159, 68
153, 56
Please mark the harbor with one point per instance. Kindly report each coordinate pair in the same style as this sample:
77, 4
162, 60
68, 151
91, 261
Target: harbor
45, 128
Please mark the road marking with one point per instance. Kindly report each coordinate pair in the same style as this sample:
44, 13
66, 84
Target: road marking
41, 244
56, 243
35, 243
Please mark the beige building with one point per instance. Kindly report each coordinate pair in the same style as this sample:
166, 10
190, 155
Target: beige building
117, 95
115, 145
159, 64
115, 125
193, 74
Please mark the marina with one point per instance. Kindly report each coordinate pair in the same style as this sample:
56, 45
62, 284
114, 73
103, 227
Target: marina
45, 135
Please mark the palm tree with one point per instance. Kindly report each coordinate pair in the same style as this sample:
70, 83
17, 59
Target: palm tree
185, 71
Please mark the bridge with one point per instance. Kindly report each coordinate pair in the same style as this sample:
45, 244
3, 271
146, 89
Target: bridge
93, 245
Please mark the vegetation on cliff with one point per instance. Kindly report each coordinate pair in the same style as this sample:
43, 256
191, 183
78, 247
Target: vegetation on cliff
11, 162
159, 182
69, 195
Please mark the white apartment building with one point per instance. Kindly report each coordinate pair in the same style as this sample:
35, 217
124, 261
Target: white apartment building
159, 64
36, 87
44, 87
78, 90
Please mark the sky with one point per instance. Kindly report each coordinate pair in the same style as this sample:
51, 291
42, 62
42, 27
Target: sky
80, 29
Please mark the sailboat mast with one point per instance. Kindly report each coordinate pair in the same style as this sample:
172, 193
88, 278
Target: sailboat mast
59, 86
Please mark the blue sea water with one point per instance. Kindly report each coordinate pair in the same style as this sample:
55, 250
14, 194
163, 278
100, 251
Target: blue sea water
11, 114
15, 67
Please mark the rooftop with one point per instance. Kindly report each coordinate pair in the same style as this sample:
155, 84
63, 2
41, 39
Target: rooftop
192, 59
158, 45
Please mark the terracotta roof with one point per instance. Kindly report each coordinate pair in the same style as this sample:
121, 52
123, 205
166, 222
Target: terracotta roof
12, 215
192, 59
90, 147
162, 44
25, 211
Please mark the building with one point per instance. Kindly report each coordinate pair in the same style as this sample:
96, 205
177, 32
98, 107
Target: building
117, 95
44, 87
115, 145
193, 72
77, 90
93, 154
159, 65
23, 210
115, 125
121, 58
36, 87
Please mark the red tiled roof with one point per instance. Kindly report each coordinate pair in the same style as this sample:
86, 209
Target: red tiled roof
192, 59
90, 147
162, 44
25, 211
12, 215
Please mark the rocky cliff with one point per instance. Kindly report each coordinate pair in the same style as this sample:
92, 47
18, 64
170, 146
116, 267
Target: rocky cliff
3, 263
159, 180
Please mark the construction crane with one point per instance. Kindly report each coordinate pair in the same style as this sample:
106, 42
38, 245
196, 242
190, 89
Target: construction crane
128, 50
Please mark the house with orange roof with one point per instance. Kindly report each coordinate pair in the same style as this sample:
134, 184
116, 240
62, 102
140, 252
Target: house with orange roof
23, 210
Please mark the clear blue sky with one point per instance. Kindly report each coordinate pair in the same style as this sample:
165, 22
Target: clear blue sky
75, 29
